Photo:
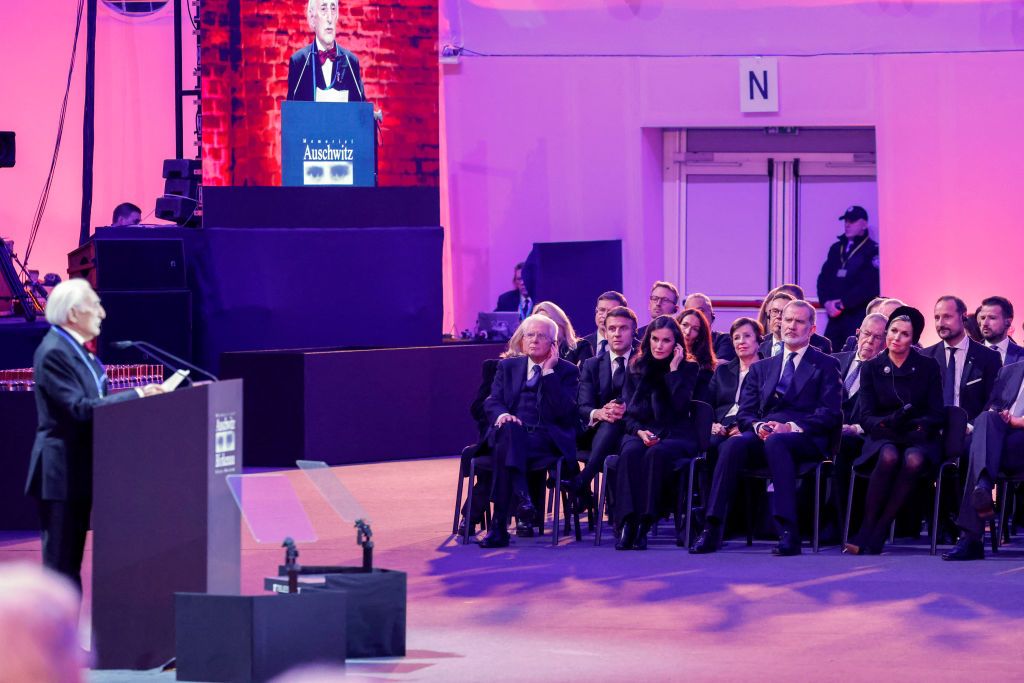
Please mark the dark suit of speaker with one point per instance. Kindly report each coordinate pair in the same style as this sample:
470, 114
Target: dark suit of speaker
303, 67
658, 401
547, 410
979, 374
70, 382
813, 401
817, 341
722, 343
600, 382
996, 447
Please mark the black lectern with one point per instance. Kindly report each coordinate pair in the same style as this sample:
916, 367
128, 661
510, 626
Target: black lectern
164, 520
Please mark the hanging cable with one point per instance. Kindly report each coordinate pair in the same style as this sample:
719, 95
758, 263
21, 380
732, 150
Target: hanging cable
44, 196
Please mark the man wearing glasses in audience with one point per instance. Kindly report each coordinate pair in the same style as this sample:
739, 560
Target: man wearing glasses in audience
664, 300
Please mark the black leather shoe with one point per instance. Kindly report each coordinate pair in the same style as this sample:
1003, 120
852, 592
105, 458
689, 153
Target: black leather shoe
965, 550
523, 530
789, 545
462, 528
525, 512
709, 541
981, 501
627, 537
641, 536
495, 539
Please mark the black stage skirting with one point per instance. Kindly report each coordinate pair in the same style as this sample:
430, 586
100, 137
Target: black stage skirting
353, 406
17, 431
306, 287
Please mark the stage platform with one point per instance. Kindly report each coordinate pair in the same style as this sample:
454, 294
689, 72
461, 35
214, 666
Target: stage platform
579, 613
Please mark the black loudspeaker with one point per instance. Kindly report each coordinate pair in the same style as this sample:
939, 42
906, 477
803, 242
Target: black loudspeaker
130, 265
163, 319
573, 275
6, 148
180, 210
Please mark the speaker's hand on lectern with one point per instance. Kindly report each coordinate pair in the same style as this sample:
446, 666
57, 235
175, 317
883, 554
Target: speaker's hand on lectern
152, 390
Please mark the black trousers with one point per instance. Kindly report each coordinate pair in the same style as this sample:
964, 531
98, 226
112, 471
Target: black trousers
842, 473
64, 524
996, 448
607, 439
781, 452
516, 448
642, 477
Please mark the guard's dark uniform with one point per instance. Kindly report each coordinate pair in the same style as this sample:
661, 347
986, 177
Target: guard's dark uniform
850, 274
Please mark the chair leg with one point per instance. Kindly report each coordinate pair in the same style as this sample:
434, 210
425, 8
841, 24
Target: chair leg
602, 499
689, 502
849, 509
935, 511
591, 513
817, 506
747, 486
458, 504
1002, 517
557, 498
472, 480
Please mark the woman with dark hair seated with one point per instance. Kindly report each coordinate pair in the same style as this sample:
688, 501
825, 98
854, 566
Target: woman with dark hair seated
901, 411
725, 386
570, 347
659, 429
699, 349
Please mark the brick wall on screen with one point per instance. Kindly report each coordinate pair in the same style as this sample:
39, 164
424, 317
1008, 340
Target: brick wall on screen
245, 49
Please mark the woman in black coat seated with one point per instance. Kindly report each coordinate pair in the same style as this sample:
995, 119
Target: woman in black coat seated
901, 410
570, 347
724, 389
699, 349
659, 429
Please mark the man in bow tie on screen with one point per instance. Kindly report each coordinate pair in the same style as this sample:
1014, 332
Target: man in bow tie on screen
324, 71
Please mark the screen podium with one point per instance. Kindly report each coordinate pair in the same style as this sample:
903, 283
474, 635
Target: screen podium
328, 143
164, 519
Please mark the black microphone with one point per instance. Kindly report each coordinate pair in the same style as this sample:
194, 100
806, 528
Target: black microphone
150, 349
299, 80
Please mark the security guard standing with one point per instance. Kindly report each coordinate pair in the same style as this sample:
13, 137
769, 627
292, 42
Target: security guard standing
849, 278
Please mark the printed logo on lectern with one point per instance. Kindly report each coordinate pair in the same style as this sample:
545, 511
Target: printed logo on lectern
224, 442
327, 162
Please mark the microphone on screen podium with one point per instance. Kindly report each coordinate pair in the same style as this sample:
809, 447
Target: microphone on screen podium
163, 356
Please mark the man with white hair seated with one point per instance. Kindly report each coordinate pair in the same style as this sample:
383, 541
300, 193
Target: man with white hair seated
69, 383
532, 410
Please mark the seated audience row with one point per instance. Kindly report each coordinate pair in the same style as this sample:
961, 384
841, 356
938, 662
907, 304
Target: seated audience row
779, 399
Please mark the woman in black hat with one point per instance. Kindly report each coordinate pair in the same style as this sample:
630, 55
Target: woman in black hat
901, 408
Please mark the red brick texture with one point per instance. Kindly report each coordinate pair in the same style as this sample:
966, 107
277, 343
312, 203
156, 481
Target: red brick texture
245, 46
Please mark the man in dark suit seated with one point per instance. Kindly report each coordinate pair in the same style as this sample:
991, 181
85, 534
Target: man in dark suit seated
70, 383
517, 298
664, 300
995, 318
997, 447
720, 341
333, 69
532, 407
870, 342
772, 344
968, 368
606, 302
790, 406
602, 405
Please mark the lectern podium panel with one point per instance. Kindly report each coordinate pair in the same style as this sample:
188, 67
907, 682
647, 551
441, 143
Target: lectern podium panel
164, 520
328, 143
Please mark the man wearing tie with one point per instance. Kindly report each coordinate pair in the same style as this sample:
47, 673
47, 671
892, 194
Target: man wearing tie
606, 302
968, 368
517, 298
602, 405
870, 342
532, 407
997, 447
995, 318
789, 411
70, 383
324, 71
772, 344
